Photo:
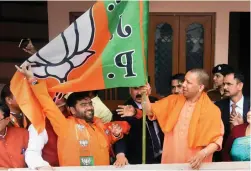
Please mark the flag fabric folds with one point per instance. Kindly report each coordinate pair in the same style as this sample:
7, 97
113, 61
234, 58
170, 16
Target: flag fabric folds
106, 47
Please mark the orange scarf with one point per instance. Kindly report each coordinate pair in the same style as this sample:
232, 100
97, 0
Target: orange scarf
205, 125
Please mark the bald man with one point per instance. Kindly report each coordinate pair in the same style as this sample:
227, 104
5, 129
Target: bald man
190, 121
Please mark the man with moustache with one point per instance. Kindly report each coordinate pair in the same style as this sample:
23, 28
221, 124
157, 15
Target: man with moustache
234, 108
83, 140
131, 145
219, 72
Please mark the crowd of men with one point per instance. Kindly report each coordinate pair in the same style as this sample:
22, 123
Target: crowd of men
190, 126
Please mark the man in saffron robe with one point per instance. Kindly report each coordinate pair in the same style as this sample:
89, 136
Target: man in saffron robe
190, 121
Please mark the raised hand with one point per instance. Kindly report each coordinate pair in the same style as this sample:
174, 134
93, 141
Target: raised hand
30, 48
25, 69
146, 89
126, 110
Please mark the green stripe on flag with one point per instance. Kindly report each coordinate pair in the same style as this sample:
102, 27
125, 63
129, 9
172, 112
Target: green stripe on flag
145, 23
122, 59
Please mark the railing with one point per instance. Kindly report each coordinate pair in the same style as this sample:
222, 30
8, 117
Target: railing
205, 166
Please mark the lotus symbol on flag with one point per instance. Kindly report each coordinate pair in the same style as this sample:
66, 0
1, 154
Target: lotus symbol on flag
67, 51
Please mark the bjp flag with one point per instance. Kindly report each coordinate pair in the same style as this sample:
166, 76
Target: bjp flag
104, 48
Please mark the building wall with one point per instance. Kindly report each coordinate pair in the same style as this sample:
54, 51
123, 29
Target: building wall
58, 15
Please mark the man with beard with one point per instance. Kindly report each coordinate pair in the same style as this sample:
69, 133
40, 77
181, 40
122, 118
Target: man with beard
83, 140
233, 109
131, 146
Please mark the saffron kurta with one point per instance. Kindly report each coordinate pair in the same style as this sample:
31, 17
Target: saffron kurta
176, 147
12, 147
79, 143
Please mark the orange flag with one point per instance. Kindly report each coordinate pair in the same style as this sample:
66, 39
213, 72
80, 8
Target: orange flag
106, 47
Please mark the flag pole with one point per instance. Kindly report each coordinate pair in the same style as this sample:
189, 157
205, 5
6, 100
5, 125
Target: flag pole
144, 129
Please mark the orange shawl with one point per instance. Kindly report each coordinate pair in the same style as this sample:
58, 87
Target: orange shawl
205, 125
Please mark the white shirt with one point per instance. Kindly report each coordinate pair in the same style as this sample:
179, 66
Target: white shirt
239, 106
138, 104
101, 110
33, 154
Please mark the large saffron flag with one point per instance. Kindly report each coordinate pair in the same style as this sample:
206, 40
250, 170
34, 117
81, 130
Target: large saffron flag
106, 47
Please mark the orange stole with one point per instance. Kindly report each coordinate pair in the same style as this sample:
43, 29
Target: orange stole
205, 125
